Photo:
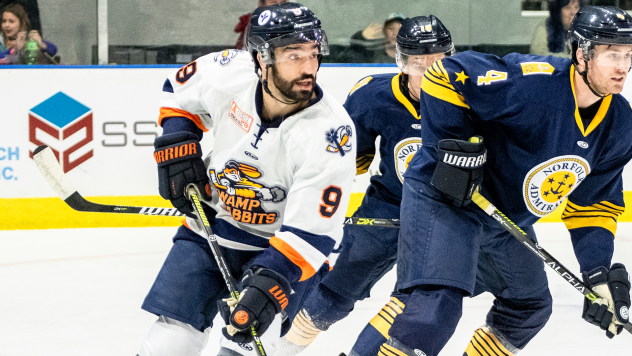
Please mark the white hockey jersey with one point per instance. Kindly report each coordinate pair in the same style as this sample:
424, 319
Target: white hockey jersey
286, 184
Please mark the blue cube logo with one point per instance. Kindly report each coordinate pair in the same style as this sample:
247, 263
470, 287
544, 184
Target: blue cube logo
61, 117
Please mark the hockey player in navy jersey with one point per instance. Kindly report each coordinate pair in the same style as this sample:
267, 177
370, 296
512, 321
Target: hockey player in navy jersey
547, 129
276, 182
385, 106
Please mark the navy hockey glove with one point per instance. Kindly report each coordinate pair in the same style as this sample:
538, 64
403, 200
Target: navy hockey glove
459, 169
265, 294
612, 310
179, 158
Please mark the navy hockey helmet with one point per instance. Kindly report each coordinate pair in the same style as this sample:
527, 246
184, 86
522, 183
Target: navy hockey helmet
281, 25
594, 25
422, 35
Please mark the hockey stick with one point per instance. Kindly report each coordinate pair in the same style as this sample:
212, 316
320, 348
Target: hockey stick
51, 171
534, 247
193, 195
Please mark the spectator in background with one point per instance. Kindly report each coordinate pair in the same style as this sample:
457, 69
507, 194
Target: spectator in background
31, 8
245, 19
374, 44
16, 31
549, 37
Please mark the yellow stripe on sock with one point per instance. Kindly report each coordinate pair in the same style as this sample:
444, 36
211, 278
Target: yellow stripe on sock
396, 301
486, 343
499, 346
386, 316
483, 346
381, 325
472, 351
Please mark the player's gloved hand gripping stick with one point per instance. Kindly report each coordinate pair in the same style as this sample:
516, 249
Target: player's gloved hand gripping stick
591, 295
193, 194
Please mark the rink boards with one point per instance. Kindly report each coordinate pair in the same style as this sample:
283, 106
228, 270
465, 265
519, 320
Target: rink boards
102, 123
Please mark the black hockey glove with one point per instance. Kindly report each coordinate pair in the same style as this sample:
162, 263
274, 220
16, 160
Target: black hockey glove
459, 169
179, 158
265, 294
612, 310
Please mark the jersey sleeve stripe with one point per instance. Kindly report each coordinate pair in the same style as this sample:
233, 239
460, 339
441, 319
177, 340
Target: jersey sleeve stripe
596, 215
173, 112
440, 82
612, 206
440, 72
603, 205
442, 93
363, 163
589, 213
300, 252
294, 256
443, 71
607, 223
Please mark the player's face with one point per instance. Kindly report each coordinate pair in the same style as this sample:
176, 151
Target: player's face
10, 25
294, 71
415, 66
609, 67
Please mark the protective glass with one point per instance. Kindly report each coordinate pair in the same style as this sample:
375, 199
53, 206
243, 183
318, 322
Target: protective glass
416, 64
609, 55
294, 47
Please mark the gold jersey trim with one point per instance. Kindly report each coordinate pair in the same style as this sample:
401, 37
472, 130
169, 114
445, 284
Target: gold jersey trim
401, 97
599, 116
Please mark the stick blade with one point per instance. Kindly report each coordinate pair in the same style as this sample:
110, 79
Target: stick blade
50, 169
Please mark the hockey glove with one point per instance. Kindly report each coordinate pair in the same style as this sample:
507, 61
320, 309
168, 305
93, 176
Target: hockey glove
459, 169
179, 158
265, 294
612, 310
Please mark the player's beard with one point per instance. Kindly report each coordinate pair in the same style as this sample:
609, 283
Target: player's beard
285, 86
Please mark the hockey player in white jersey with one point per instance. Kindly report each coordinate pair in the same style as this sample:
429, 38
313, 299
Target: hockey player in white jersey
277, 181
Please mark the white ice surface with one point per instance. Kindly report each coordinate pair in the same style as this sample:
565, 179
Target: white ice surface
78, 292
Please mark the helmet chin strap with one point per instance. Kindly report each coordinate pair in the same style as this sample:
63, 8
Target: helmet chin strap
584, 76
264, 83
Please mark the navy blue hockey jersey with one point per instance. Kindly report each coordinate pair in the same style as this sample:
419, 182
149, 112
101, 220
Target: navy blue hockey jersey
539, 151
378, 107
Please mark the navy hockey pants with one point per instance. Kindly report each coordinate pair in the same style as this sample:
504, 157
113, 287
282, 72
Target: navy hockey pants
464, 248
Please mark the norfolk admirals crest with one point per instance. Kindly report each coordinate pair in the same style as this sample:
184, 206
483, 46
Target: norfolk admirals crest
404, 152
548, 183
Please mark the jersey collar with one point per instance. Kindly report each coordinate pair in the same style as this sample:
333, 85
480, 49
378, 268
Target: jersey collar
601, 113
401, 97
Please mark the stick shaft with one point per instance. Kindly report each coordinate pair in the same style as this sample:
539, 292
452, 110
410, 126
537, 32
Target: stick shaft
535, 248
221, 261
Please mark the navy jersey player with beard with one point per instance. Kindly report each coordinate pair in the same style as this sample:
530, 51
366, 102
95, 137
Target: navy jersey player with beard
384, 106
547, 129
